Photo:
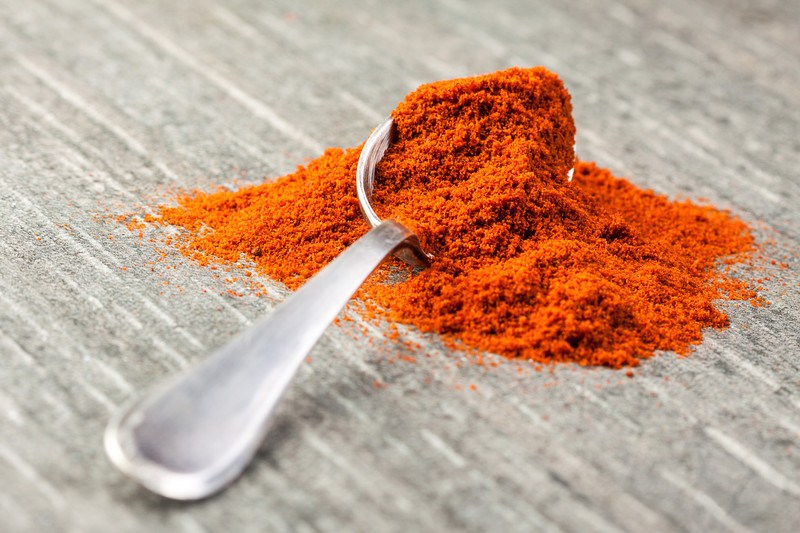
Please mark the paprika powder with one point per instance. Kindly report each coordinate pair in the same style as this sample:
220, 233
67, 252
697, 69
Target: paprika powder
527, 264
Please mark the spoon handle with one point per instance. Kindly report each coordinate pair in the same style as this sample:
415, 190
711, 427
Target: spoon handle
195, 433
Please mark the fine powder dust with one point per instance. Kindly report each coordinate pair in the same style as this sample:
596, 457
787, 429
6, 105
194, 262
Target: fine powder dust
527, 264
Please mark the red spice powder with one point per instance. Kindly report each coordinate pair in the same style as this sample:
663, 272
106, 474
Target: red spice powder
526, 264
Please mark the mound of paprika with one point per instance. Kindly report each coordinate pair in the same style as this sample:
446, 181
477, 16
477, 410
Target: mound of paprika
527, 264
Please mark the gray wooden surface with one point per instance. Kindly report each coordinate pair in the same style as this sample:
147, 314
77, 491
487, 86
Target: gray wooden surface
107, 105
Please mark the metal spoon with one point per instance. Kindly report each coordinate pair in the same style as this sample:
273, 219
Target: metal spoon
195, 433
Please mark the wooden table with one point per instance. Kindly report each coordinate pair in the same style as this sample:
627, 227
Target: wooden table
110, 105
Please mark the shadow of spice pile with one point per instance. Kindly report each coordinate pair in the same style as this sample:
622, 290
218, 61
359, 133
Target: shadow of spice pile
527, 264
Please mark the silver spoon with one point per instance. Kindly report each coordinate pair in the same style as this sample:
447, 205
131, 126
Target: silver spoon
195, 433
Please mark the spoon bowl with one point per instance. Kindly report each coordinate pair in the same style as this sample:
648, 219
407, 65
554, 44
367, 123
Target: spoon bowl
374, 147
372, 152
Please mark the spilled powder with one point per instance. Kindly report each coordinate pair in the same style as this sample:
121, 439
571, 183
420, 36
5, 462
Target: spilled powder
526, 264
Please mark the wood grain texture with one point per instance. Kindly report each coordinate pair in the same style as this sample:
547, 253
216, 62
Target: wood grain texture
106, 105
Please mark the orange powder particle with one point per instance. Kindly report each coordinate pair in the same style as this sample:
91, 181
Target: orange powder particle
526, 264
